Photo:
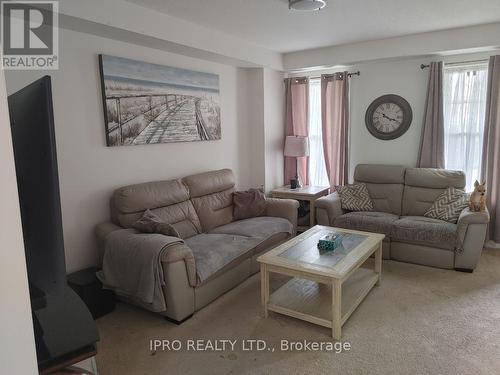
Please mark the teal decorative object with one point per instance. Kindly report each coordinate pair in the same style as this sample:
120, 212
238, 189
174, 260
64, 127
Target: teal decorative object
330, 242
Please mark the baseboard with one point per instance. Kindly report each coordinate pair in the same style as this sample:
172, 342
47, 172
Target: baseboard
178, 322
466, 270
492, 245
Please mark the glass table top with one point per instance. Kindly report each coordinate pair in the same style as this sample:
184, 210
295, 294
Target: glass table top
307, 251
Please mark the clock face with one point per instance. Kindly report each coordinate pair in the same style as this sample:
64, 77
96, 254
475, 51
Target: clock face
388, 117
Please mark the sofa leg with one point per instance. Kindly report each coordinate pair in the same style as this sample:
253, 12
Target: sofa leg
467, 270
178, 322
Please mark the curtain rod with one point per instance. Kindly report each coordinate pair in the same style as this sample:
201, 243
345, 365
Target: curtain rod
424, 66
350, 74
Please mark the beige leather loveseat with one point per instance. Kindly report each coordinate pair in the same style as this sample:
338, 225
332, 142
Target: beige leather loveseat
401, 196
200, 208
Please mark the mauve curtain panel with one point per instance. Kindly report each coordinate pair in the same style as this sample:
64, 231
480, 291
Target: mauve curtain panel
335, 126
431, 151
296, 120
490, 169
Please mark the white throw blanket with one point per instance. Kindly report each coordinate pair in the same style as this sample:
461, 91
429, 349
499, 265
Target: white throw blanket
132, 266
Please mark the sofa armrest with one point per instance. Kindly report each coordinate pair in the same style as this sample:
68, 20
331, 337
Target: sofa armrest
328, 208
285, 208
471, 235
179, 273
103, 229
472, 217
181, 252
178, 291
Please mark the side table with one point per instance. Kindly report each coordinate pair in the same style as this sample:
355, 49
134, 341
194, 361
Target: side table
305, 193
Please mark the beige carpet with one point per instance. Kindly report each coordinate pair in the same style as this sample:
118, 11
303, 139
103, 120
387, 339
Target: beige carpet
421, 320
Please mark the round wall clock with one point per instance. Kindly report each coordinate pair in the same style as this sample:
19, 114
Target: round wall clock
388, 117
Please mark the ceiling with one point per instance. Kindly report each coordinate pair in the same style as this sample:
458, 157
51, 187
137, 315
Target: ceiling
270, 24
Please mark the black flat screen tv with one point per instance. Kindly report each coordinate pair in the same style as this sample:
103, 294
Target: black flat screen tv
62, 323
33, 138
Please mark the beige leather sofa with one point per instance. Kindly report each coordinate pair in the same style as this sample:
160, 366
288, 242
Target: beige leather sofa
201, 210
401, 196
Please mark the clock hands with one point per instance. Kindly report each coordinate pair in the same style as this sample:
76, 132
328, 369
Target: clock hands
389, 118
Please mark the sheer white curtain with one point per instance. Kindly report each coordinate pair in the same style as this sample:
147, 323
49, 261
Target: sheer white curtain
317, 168
464, 115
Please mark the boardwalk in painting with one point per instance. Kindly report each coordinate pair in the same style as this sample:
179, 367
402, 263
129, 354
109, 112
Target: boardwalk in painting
176, 124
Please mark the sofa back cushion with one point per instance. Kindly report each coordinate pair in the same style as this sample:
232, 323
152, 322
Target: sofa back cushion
212, 197
169, 200
424, 185
385, 184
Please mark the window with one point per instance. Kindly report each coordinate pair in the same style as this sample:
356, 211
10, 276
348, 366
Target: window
464, 93
317, 168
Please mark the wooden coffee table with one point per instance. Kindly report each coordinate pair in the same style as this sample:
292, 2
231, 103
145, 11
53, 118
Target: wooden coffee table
326, 287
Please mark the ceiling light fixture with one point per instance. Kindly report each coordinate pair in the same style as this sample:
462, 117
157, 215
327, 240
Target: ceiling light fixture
306, 4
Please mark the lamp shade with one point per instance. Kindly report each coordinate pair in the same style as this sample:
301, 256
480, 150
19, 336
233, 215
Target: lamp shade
296, 146
306, 4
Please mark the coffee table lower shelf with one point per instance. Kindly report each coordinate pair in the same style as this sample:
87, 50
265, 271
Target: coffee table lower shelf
312, 301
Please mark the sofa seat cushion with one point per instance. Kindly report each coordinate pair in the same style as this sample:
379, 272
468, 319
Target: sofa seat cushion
425, 231
261, 227
228, 245
370, 221
212, 252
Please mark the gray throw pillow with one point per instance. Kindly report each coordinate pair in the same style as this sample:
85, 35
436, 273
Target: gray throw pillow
448, 205
355, 197
247, 204
150, 223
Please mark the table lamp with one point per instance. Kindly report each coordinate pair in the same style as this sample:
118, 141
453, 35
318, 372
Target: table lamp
296, 146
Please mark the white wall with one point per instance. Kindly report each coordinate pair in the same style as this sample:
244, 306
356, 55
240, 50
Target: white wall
274, 127
402, 77
17, 346
89, 171
444, 42
262, 110
251, 110
130, 22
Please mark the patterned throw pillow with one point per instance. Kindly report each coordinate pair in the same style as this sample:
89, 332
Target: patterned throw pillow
448, 205
355, 197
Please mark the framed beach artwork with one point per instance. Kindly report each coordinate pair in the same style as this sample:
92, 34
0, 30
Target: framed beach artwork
148, 103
